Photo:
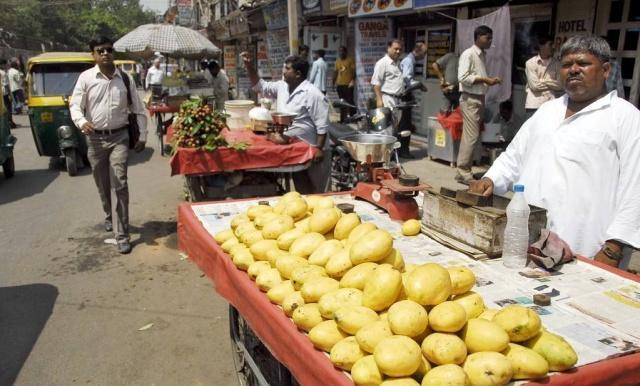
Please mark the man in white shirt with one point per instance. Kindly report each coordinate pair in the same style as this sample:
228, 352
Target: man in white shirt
6, 93
298, 96
16, 81
99, 108
387, 77
154, 78
318, 75
219, 83
578, 157
474, 83
542, 76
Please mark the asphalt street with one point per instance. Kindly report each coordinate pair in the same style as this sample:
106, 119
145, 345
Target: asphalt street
72, 308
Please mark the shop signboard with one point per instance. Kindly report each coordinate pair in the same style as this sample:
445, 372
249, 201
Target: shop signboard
231, 64
275, 15
278, 50
238, 23
440, 3
574, 17
359, 8
310, 6
335, 5
371, 36
438, 45
262, 57
328, 39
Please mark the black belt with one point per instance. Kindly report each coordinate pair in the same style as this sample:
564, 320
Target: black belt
109, 132
393, 95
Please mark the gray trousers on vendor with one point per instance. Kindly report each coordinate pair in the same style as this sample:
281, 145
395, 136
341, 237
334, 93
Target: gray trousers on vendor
316, 179
472, 109
108, 154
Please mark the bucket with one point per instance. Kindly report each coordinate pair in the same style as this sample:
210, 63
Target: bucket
238, 111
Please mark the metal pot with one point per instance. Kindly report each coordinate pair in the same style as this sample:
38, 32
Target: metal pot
282, 118
378, 146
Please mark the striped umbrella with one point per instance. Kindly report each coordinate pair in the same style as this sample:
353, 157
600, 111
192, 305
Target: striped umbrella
167, 39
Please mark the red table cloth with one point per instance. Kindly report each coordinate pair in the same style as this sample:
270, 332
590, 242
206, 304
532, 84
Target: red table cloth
293, 349
162, 109
261, 153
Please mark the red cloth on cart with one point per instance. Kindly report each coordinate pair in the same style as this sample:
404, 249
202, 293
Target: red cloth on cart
452, 122
162, 108
261, 153
289, 346
294, 350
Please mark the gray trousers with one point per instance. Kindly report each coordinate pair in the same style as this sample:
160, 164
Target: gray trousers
108, 156
472, 109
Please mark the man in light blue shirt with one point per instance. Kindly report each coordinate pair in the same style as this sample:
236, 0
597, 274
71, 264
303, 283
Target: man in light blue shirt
294, 94
318, 74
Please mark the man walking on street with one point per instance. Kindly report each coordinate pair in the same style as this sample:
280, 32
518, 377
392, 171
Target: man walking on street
318, 75
99, 108
154, 78
219, 83
16, 81
344, 80
474, 83
407, 66
6, 93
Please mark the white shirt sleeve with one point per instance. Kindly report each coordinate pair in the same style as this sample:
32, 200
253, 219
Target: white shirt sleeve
314, 72
267, 89
626, 219
506, 168
319, 112
466, 71
377, 79
78, 103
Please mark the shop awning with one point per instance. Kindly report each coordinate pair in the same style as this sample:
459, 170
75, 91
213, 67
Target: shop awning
440, 3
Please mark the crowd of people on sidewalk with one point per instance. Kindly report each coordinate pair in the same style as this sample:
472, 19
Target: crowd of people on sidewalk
13, 83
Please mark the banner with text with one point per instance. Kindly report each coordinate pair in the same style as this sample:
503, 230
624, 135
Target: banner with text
358, 8
328, 39
371, 38
278, 50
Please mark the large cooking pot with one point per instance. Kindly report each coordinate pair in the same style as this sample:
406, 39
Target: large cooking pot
280, 118
378, 146
379, 119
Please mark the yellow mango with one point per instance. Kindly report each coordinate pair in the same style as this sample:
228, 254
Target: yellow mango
488, 314
411, 227
273, 254
369, 335
341, 297
462, 279
256, 210
277, 226
280, 291
398, 356
345, 225
382, 288
287, 238
407, 318
322, 254
365, 372
428, 284
338, 264
268, 279
244, 228
291, 302
296, 208
446, 375
487, 369
243, 259
423, 369
395, 259
263, 218
306, 316
350, 319
372, 247
345, 353
404, 381
521, 323
239, 219
287, 263
303, 273
256, 267
472, 303
483, 335
526, 363
226, 246
223, 236
325, 335
555, 349
260, 248
251, 237
444, 348
323, 220
359, 231
447, 317
324, 202
313, 289
357, 276
306, 244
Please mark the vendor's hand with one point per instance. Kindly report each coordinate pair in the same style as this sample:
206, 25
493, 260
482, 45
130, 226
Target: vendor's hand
493, 81
88, 128
379, 103
139, 146
444, 85
319, 156
483, 186
602, 257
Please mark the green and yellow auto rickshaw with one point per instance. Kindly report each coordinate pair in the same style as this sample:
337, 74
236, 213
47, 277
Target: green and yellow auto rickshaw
7, 142
50, 83
131, 67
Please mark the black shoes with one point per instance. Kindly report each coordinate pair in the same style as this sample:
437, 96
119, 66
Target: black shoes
124, 247
108, 226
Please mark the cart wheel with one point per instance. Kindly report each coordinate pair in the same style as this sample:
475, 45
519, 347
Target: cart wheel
9, 168
70, 158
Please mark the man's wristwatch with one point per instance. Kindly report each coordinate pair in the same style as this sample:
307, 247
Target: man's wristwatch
611, 253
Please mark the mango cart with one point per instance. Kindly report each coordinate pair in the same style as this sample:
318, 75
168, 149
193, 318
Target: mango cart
605, 337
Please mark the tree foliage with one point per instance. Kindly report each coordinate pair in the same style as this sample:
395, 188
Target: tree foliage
72, 22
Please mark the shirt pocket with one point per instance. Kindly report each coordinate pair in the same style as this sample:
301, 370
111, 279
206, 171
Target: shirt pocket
584, 147
118, 97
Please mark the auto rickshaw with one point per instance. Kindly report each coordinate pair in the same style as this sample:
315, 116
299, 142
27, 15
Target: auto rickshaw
7, 142
50, 82
131, 67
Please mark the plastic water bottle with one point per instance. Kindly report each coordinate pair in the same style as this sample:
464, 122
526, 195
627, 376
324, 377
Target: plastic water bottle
516, 233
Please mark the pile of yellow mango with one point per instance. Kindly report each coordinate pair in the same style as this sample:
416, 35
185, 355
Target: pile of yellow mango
385, 322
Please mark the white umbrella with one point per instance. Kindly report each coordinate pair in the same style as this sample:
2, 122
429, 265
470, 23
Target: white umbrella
168, 39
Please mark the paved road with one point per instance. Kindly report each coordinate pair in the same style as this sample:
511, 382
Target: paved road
71, 306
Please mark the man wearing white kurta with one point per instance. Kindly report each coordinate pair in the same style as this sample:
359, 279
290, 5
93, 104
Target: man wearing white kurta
578, 157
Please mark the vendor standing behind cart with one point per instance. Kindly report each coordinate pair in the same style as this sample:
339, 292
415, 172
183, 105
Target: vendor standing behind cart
219, 83
297, 95
578, 158
154, 78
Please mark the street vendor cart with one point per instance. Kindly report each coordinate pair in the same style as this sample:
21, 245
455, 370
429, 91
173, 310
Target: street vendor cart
605, 337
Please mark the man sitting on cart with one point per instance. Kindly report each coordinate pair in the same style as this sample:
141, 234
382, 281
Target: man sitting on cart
296, 95
578, 157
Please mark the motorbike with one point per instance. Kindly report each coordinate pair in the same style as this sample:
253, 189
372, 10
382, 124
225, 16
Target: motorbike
380, 122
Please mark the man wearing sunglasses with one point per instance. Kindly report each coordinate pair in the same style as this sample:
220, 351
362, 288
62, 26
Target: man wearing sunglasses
100, 108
